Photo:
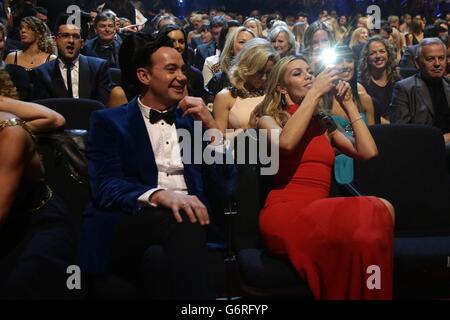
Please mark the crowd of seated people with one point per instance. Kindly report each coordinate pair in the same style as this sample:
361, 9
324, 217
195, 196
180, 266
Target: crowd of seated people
231, 72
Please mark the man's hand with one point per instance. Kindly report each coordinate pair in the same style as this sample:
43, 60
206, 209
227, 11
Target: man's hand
191, 205
447, 137
196, 108
131, 28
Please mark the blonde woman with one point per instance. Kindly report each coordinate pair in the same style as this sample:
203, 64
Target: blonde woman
321, 236
197, 21
299, 34
38, 45
397, 41
359, 36
233, 44
254, 25
248, 75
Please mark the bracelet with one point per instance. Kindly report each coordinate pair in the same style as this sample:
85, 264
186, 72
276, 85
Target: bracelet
359, 118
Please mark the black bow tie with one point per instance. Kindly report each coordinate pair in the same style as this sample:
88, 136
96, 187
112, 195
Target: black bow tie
156, 116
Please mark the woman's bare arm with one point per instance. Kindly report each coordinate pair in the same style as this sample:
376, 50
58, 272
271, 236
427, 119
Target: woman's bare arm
14, 148
38, 117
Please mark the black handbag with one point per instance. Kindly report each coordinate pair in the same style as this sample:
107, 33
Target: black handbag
69, 150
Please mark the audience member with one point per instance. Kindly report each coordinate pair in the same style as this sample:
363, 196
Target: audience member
143, 191
38, 47
321, 236
378, 74
72, 75
106, 44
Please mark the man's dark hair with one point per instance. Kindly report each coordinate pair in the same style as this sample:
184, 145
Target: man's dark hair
432, 31
60, 21
103, 16
303, 14
143, 57
130, 48
219, 21
64, 18
41, 10
386, 26
233, 23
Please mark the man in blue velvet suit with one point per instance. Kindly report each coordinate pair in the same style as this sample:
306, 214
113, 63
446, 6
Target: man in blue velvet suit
143, 192
72, 75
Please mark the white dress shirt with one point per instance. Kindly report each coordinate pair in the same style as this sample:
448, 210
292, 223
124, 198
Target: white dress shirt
164, 140
75, 75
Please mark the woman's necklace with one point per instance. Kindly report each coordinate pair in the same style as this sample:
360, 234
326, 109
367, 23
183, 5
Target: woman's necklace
32, 58
256, 93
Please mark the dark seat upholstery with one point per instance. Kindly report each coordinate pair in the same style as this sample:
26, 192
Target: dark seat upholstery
116, 76
408, 72
411, 173
262, 273
76, 111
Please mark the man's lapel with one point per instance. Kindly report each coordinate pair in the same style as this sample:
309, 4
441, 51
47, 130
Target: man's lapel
446, 82
139, 135
84, 81
423, 94
57, 82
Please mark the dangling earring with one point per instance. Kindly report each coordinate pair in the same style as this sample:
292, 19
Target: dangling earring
283, 100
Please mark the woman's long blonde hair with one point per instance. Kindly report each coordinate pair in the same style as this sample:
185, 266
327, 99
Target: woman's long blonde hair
274, 103
228, 50
355, 36
251, 59
7, 88
259, 30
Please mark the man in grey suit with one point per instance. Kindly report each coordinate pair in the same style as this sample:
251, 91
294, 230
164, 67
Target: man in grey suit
425, 97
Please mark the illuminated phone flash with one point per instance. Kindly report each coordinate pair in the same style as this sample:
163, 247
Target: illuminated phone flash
328, 57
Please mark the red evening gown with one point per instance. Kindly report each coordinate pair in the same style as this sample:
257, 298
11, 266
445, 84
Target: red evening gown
331, 242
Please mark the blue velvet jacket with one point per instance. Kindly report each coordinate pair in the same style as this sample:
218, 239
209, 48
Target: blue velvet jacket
122, 167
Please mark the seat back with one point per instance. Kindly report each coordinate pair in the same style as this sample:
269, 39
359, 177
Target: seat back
408, 72
410, 171
250, 194
115, 75
76, 111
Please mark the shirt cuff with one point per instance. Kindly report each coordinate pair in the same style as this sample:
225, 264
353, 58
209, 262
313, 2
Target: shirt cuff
144, 201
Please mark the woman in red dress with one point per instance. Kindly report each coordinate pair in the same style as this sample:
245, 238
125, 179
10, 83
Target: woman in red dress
341, 246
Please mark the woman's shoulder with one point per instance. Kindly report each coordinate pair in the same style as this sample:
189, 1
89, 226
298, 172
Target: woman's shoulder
361, 88
12, 55
226, 92
225, 98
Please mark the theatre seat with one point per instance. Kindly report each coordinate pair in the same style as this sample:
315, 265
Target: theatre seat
411, 173
76, 111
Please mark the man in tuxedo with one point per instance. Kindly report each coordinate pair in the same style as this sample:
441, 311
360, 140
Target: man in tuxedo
72, 75
143, 192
